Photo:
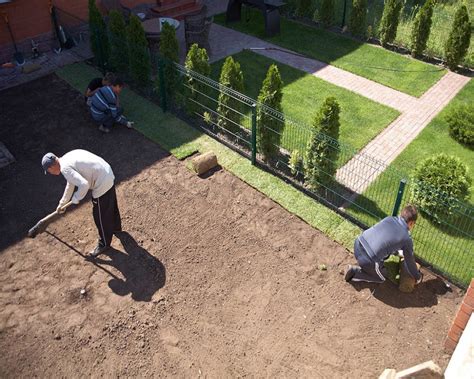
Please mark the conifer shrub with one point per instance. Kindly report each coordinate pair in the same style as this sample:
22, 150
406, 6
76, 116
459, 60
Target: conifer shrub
98, 36
118, 60
459, 38
270, 127
138, 53
303, 8
169, 50
390, 20
326, 13
228, 107
440, 184
358, 19
321, 156
197, 60
421, 28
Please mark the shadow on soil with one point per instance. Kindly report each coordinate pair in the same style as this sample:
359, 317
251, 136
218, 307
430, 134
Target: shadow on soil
48, 115
143, 273
425, 294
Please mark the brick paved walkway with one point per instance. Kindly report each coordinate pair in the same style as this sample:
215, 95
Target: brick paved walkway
416, 113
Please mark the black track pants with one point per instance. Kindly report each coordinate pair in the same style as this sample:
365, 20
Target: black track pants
106, 216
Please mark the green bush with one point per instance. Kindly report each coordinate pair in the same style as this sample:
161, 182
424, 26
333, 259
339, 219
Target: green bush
440, 184
358, 19
461, 124
228, 108
303, 8
98, 36
197, 60
459, 38
326, 13
296, 162
390, 20
270, 128
320, 162
138, 54
118, 42
421, 28
169, 49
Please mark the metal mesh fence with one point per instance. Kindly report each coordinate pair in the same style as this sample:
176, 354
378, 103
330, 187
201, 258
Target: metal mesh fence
358, 186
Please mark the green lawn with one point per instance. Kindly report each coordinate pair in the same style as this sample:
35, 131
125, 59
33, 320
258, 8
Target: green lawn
181, 140
393, 70
361, 119
455, 252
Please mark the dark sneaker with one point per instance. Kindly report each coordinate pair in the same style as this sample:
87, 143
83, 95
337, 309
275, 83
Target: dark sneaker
103, 129
351, 271
98, 250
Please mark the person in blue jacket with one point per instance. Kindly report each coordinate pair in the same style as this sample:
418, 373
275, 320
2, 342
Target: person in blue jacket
105, 109
380, 241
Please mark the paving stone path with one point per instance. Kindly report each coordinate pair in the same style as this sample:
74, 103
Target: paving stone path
415, 113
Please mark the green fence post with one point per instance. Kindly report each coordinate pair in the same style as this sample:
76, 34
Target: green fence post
254, 134
343, 15
161, 75
398, 200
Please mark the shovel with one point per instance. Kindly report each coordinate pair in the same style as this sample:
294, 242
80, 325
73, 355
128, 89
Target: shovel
19, 58
41, 225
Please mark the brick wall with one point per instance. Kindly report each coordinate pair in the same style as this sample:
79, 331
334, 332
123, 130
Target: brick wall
31, 19
461, 319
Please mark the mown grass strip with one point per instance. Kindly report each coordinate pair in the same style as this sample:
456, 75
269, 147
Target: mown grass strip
179, 139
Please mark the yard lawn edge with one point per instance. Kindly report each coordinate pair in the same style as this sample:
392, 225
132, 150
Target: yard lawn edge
180, 139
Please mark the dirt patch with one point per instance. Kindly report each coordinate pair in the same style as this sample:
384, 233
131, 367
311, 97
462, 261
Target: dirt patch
211, 278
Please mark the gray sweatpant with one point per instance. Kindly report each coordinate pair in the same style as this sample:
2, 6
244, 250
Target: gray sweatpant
368, 270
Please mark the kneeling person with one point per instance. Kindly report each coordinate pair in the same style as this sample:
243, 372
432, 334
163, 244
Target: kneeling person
380, 241
105, 108
85, 171
95, 84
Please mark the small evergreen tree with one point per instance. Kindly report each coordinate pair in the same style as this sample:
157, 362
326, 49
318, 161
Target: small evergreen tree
303, 8
98, 36
118, 42
326, 13
269, 128
197, 60
229, 108
358, 20
323, 150
421, 28
169, 50
459, 38
389, 22
139, 56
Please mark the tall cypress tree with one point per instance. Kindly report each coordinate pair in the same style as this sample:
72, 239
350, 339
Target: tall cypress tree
169, 50
118, 42
98, 36
326, 13
197, 60
270, 128
358, 20
139, 56
390, 20
421, 28
323, 150
459, 38
229, 108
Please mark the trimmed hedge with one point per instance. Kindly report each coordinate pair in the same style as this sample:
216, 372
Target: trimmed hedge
461, 124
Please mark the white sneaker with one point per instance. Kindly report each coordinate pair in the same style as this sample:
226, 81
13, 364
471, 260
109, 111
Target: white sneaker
130, 124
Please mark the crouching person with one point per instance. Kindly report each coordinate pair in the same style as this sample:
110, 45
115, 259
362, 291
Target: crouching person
380, 241
105, 108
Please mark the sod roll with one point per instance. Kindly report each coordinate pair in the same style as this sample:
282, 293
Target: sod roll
407, 282
204, 162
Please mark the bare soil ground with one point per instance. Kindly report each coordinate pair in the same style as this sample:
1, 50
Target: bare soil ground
210, 279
